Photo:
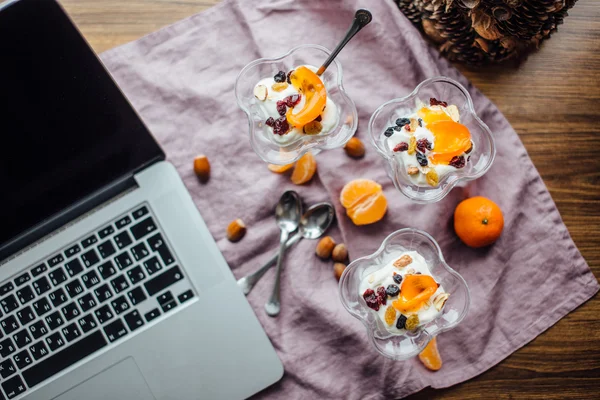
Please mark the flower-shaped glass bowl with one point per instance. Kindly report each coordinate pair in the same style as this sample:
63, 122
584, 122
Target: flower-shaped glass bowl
260, 135
452, 92
405, 346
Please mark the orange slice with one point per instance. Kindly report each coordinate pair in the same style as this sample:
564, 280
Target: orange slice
450, 139
429, 115
364, 201
430, 356
313, 89
304, 170
280, 169
414, 292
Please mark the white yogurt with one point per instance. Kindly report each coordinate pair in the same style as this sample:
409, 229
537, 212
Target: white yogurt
384, 277
329, 117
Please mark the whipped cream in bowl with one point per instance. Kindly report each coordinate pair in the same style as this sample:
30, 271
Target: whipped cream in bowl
404, 294
290, 109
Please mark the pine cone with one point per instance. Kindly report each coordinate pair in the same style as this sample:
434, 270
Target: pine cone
478, 31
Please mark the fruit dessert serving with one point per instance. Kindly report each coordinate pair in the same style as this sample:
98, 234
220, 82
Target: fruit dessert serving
295, 105
403, 293
431, 143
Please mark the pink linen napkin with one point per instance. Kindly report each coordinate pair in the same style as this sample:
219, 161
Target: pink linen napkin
181, 80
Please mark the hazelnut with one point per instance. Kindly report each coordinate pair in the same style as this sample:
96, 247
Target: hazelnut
202, 167
261, 92
236, 230
325, 247
338, 269
355, 148
412, 170
340, 253
403, 261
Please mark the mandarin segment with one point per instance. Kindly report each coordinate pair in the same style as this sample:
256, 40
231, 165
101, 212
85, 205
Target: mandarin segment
280, 169
364, 201
451, 140
311, 86
414, 293
430, 356
305, 169
429, 115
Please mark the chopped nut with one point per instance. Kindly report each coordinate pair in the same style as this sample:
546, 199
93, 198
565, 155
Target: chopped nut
340, 253
371, 278
412, 170
338, 269
412, 322
313, 127
403, 261
452, 112
412, 145
414, 124
236, 230
202, 167
440, 300
432, 177
279, 86
261, 92
410, 271
325, 247
355, 148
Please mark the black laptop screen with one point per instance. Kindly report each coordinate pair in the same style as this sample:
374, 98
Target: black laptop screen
66, 130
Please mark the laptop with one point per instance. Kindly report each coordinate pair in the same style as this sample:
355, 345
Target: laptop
111, 286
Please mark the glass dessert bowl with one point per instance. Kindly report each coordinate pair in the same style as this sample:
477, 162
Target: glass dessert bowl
405, 293
432, 140
290, 109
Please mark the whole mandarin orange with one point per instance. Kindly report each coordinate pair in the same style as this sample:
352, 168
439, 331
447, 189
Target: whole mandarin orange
478, 221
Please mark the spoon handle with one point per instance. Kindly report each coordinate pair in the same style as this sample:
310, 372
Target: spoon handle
273, 306
361, 19
247, 282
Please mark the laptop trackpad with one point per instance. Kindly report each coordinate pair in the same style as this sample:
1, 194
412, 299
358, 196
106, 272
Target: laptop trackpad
121, 381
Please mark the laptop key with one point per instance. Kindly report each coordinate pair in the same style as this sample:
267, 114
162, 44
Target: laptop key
168, 306
152, 314
87, 323
71, 251
57, 276
123, 260
103, 293
152, 265
37, 270
71, 332
157, 244
87, 302
106, 249
22, 359
119, 284
70, 311
122, 239
107, 270
87, 242
115, 330
54, 261
41, 285
9, 303
6, 347
25, 315
73, 267
6, 288
9, 324
22, 338
7, 368
38, 350
21, 279
64, 358
104, 314
139, 251
41, 306
185, 296
143, 228
54, 320
55, 341
123, 222
74, 288
90, 258
120, 305
38, 329
165, 298
104, 232
58, 297
90, 279
13, 387
136, 296
163, 280
133, 320
136, 274
25, 294
140, 212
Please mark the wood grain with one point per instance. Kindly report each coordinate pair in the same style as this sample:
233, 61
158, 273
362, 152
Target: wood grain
553, 102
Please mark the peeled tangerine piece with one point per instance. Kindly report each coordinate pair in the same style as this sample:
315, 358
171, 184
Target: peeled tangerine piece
313, 89
450, 139
414, 292
429, 115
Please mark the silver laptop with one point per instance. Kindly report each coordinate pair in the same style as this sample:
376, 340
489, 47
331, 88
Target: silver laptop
111, 286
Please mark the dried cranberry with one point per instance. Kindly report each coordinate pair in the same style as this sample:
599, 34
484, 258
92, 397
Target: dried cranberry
367, 293
423, 145
402, 146
288, 77
435, 102
397, 278
280, 77
381, 295
389, 132
422, 159
281, 107
457, 161
407, 127
402, 121
392, 290
401, 323
270, 122
372, 302
281, 126
292, 100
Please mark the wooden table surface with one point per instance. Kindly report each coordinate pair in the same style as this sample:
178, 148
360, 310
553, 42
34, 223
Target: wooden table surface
553, 102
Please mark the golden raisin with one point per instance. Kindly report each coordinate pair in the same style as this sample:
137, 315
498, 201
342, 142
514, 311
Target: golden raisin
432, 177
279, 86
412, 145
412, 322
390, 315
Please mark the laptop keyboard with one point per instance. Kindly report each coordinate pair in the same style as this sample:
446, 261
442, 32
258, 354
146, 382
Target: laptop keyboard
96, 291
